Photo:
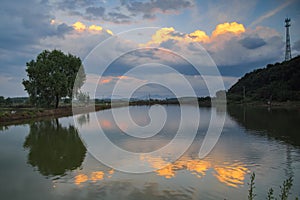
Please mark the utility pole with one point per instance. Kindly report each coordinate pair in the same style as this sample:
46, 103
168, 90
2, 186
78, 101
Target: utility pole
244, 93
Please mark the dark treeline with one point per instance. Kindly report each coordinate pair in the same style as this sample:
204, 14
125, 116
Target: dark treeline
279, 82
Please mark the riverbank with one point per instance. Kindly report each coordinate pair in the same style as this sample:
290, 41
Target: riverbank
273, 105
10, 116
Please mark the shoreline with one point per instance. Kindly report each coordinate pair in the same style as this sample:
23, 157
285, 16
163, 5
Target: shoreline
27, 115
273, 105
14, 116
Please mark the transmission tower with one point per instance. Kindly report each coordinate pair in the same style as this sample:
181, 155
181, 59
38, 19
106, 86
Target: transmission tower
288, 55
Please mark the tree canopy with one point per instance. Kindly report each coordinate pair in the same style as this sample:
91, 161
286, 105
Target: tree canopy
279, 82
52, 76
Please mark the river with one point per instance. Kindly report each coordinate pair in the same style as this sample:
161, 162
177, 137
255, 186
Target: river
48, 159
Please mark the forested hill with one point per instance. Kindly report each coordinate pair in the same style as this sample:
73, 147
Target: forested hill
278, 82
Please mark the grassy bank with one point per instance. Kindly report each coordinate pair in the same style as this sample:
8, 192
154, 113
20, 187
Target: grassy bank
10, 116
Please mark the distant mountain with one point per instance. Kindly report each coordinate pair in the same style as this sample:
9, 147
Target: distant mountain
278, 82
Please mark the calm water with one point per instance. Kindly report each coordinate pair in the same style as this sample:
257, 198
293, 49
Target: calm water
47, 159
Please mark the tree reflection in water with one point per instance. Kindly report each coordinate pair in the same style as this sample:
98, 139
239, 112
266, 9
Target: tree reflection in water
54, 149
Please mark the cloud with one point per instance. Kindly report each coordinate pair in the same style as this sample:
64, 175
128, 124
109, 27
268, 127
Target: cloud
229, 45
117, 18
81, 27
63, 29
296, 46
95, 11
151, 7
130, 11
199, 36
95, 28
21, 26
252, 42
79, 42
8, 82
224, 28
165, 35
72, 4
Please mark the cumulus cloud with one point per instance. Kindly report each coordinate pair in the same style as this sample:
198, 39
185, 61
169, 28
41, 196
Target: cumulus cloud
80, 41
226, 27
169, 33
230, 45
81, 27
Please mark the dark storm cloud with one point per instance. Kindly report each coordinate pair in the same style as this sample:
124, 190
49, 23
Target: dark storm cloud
95, 11
252, 42
23, 25
156, 6
117, 17
62, 29
73, 4
126, 12
26, 23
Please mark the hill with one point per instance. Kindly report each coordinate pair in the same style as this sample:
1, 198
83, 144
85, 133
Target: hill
276, 82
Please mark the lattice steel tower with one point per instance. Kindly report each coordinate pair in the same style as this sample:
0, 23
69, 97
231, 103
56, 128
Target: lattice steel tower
288, 55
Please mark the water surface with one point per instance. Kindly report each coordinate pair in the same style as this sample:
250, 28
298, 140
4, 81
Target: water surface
48, 160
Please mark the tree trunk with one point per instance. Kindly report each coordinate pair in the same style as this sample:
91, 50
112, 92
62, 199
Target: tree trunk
57, 101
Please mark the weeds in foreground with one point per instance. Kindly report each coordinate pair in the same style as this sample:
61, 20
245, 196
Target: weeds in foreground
284, 189
251, 194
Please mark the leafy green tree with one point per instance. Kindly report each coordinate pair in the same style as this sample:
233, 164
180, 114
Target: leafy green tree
52, 76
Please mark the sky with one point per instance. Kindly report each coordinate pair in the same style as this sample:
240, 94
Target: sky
234, 37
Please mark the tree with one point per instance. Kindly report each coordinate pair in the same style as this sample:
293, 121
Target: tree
52, 76
2, 100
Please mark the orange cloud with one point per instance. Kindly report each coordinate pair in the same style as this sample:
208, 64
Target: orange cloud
109, 31
95, 28
233, 27
162, 35
78, 26
199, 36
165, 34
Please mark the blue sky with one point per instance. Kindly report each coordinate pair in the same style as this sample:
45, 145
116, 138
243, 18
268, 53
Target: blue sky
239, 35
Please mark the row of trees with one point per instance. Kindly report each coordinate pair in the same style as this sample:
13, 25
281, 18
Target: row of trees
51, 76
5, 101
